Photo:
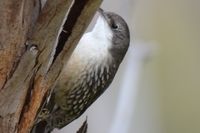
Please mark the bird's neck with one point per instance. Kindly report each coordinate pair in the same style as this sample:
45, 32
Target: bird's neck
102, 30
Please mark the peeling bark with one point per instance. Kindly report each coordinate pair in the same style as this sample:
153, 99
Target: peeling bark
32, 53
15, 23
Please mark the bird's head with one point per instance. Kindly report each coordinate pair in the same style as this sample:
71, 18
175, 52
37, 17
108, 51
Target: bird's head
114, 28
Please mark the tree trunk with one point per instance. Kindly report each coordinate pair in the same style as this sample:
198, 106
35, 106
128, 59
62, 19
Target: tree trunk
35, 43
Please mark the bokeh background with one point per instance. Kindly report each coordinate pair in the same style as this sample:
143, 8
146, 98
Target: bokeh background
157, 89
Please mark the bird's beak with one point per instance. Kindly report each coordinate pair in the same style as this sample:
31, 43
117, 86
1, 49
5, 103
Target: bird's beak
100, 10
102, 13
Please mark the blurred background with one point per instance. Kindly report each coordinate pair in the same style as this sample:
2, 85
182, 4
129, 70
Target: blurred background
157, 89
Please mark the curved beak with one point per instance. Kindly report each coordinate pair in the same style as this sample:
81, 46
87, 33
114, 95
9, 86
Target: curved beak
100, 10
102, 13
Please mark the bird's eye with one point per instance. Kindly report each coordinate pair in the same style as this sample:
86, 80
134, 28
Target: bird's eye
114, 26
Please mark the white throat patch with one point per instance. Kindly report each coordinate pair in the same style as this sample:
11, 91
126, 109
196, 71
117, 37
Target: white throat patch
96, 44
102, 29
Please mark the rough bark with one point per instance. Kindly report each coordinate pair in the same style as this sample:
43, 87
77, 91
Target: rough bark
31, 59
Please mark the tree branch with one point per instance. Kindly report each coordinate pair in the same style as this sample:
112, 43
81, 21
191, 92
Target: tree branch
42, 60
15, 25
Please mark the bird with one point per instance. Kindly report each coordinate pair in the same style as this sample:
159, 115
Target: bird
88, 72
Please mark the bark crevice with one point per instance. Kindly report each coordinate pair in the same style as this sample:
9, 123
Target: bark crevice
27, 49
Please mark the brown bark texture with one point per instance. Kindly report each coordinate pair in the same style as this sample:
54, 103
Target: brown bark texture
35, 44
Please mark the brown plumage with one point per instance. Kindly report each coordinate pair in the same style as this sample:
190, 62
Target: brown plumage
89, 71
